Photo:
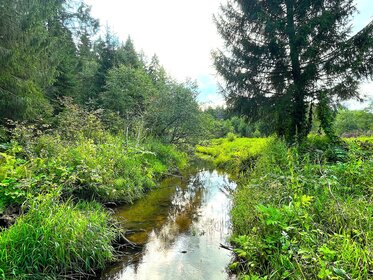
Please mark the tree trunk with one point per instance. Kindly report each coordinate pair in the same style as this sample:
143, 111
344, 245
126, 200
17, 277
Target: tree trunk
296, 131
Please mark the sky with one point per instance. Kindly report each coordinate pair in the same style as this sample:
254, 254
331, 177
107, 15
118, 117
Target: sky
182, 34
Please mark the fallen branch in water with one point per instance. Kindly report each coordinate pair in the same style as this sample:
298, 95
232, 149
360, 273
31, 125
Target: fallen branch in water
122, 241
226, 247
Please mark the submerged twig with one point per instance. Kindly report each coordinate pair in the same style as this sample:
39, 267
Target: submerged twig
226, 247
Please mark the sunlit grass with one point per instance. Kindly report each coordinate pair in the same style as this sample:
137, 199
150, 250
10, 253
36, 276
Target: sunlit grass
233, 153
56, 239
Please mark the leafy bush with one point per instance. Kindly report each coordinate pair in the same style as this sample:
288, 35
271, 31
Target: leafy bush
231, 136
88, 163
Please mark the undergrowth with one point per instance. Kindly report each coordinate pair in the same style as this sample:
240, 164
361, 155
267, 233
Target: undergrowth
88, 163
305, 212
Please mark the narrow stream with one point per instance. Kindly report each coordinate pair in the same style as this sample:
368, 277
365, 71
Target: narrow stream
180, 225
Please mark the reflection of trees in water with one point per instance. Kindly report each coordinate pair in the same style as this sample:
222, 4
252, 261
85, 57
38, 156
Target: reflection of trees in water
215, 221
187, 209
183, 211
199, 206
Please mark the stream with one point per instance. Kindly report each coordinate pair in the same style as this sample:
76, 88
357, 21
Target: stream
180, 226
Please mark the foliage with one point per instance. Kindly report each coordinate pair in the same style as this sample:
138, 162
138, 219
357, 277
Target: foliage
127, 91
179, 121
87, 162
38, 55
57, 239
284, 57
354, 123
298, 215
222, 121
48, 54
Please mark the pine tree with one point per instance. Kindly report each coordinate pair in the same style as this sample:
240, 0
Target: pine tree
105, 50
157, 72
283, 56
127, 55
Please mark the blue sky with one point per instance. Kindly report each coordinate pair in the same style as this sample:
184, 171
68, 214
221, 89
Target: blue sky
182, 34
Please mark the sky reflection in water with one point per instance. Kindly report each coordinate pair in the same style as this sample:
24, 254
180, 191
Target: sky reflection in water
181, 225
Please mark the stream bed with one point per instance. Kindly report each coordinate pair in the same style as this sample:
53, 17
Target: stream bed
180, 226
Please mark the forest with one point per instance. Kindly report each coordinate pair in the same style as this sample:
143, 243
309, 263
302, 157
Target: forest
88, 123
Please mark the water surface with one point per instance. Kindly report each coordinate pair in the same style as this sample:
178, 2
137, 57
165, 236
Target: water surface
180, 226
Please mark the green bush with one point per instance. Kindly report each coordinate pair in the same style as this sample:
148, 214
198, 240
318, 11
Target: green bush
57, 239
231, 136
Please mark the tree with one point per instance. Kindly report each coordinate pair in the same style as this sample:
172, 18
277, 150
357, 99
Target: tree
26, 66
105, 51
284, 56
126, 54
127, 91
65, 83
173, 114
355, 122
157, 73
38, 59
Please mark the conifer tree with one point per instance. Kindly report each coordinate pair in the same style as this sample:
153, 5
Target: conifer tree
283, 56
127, 55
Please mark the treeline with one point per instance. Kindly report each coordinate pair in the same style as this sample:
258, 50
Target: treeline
345, 123
51, 51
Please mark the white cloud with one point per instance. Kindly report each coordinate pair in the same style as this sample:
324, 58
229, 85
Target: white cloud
181, 33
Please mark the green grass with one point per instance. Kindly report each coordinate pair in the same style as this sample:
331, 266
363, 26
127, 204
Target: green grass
55, 239
234, 154
304, 213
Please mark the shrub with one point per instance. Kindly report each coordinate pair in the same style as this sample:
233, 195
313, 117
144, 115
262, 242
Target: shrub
113, 170
231, 136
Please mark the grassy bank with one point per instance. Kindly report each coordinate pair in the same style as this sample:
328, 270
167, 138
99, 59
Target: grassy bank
54, 181
304, 212
232, 153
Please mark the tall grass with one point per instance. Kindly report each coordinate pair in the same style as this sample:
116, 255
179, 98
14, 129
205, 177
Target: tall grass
57, 239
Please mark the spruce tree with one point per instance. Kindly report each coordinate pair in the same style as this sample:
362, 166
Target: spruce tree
127, 55
283, 56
